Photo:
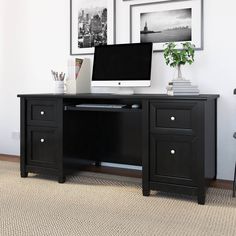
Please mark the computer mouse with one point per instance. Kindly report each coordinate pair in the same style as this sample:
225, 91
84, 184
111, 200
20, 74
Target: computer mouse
135, 106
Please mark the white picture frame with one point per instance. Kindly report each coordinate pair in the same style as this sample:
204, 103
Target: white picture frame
168, 10
84, 33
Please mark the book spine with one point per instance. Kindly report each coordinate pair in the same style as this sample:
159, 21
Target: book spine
181, 81
182, 85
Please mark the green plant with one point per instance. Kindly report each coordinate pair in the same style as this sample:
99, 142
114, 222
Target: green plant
176, 57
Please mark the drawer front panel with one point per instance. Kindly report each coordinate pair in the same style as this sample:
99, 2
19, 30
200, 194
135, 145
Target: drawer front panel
173, 159
174, 116
42, 146
41, 112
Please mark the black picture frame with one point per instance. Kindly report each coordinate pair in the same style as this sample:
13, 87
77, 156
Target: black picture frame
199, 45
111, 18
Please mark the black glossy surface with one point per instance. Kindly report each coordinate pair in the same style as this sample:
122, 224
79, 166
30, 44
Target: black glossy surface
143, 136
41, 112
192, 137
116, 96
101, 134
42, 146
173, 159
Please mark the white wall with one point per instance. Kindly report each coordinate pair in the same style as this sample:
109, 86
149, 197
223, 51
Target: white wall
36, 39
1, 41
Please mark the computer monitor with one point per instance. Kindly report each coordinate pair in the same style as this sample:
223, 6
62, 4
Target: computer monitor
122, 65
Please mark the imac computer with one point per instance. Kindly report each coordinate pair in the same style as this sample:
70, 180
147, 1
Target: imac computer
122, 65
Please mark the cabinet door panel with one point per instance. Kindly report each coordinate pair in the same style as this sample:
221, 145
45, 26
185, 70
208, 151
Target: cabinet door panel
42, 112
42, 146
174, 117
173, 159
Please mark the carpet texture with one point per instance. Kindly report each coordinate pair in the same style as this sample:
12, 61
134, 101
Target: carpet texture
98, 204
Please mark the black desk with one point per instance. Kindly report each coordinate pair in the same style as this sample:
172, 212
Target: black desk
172, 137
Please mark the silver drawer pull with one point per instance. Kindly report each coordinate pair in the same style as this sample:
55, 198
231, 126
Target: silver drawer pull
42, 113
172, 118
172, 152
42, 140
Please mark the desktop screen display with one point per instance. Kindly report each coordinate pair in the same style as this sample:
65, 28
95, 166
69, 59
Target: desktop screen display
122, 64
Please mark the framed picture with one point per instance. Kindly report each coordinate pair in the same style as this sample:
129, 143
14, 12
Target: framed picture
92, 23
167, 21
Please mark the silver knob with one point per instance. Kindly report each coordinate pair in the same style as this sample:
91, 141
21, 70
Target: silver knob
172, 118
42, 113
42, 140
172, 151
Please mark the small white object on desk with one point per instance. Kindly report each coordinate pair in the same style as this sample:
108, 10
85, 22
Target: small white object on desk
135, 106
59, 86
58, 81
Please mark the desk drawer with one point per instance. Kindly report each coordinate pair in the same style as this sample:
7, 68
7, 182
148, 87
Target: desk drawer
173, 159
173, 116
42, 146
41, 112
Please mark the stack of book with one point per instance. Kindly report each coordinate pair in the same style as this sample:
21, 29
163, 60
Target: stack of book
182, 87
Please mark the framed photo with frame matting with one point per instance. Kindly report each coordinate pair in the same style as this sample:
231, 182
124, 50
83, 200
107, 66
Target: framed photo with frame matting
161, 22
92, 23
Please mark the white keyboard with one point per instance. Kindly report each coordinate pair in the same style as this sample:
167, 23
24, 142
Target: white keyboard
101, 105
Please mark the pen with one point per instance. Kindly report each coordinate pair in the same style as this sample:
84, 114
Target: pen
58, 76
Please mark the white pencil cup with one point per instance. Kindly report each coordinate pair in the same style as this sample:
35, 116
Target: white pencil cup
59, 86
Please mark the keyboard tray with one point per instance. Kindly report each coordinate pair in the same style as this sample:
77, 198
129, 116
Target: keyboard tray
101, 106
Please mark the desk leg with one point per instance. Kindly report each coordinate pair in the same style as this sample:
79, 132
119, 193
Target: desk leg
97, 163
61, 179
201, 199
24, 174
60, 110
145, 148
201, 193
146, 191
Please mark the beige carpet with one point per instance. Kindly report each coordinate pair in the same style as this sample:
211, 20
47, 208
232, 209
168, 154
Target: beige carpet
96, 204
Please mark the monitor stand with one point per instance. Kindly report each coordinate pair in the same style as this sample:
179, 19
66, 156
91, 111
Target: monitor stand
124, 91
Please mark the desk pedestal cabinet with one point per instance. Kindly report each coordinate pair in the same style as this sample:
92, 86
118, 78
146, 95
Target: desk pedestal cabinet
172, 137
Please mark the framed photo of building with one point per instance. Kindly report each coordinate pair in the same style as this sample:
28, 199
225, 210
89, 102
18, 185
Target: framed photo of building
92, 23
167, 21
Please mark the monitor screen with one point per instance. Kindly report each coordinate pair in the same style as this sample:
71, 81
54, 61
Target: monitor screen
122, 62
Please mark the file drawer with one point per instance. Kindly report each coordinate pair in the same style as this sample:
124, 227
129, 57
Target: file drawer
173, 159
173, 116
42, 146
41, 112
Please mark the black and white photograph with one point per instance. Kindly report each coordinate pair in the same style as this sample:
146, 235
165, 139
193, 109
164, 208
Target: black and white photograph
91, 24
166, 26
163, 22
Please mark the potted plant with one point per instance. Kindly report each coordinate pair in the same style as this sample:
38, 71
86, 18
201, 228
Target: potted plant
177, 57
